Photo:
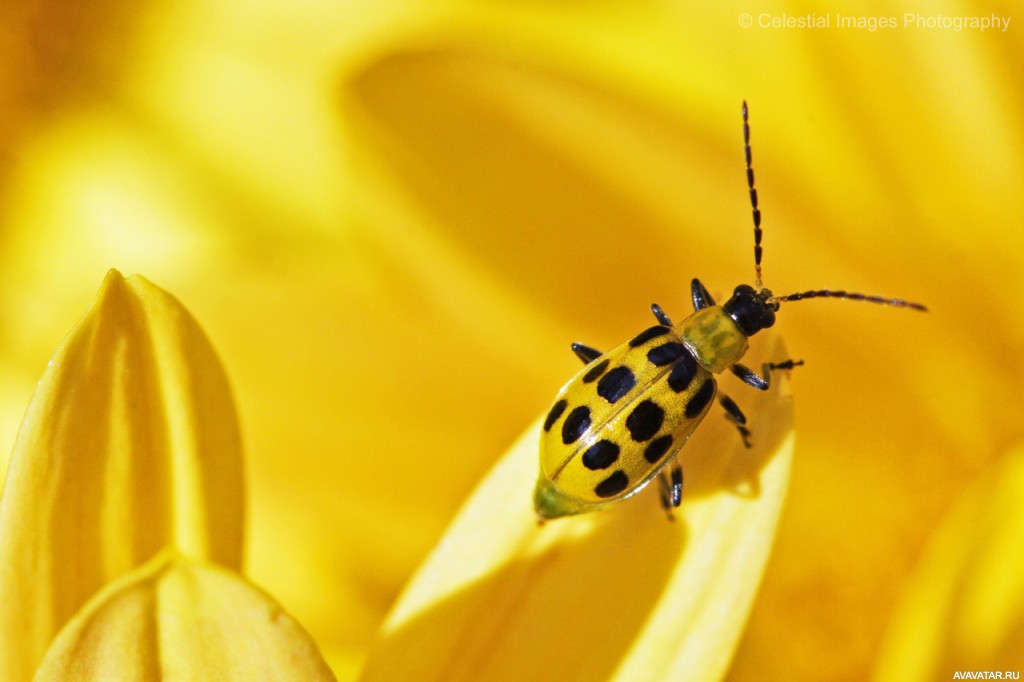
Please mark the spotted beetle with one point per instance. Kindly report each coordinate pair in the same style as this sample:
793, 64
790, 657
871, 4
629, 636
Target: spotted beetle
619, 423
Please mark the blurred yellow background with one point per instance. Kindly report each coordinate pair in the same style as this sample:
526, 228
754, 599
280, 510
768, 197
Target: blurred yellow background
391, 219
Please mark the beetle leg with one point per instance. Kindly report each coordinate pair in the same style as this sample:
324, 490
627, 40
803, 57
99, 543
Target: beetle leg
750, 377
734, 414
585, 353
700, 295
671, 483
660, 314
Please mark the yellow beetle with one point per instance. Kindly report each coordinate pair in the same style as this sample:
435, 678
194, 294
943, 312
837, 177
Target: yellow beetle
620, 421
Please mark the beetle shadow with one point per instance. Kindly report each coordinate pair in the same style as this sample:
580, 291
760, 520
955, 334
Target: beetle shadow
569, 612
715, 458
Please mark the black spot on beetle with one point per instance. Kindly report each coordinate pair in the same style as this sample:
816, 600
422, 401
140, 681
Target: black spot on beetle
666, 353
683, 372
576, 424
657, 448
645, 420
645, 336
613, 485
601, 455
700, 399
616, 384
556, 411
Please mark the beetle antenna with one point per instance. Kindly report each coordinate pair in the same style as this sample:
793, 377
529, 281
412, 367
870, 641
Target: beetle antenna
753, 201
825, 293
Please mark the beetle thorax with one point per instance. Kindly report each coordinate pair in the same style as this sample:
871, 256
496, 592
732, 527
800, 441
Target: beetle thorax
713, 338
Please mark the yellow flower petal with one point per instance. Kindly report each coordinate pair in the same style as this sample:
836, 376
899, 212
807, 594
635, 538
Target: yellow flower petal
175, 619
129, 445
620, 594
964, 607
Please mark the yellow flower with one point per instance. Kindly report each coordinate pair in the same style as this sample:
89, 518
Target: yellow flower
963, 609
620, 595
394, 216
177, 619
130, 449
